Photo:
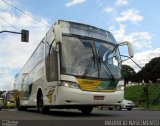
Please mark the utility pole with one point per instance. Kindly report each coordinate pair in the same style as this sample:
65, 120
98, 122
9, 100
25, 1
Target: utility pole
14, 85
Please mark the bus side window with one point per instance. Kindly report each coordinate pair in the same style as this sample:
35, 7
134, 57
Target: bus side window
51, 63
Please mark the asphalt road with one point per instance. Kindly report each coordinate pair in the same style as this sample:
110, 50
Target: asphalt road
72, 117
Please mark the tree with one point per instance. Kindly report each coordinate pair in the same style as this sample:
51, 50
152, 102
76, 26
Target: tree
1, 92
128, 74
151, 71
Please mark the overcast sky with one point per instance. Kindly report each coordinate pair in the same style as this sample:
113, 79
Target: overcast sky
137, 21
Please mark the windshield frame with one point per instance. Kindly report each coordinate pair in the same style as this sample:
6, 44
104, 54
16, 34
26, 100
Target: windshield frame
96, 55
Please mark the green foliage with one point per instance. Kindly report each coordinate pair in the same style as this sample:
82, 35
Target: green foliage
151, 71
128, 73
134, 92
137, 92
1, 92
155, 107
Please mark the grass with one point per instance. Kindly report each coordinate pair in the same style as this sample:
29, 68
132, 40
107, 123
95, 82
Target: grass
138, 95
155, 107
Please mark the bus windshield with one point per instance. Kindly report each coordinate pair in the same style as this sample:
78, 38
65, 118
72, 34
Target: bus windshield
10, 97
90, 58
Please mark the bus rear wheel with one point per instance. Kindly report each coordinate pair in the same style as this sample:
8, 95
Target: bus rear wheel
86, 110
40, 105
19, 107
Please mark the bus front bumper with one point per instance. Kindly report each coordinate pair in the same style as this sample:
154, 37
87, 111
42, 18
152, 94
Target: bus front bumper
71, 96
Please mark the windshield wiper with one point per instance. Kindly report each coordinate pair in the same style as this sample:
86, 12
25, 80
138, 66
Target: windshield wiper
105, 65
92, 59
108, 71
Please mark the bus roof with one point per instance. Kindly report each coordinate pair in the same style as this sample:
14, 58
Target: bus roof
69, 27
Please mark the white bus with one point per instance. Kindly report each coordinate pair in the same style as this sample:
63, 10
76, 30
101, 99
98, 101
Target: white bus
75, 66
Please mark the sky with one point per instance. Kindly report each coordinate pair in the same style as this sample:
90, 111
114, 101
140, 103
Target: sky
137, 21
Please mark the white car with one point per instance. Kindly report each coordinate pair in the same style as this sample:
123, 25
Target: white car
125, 104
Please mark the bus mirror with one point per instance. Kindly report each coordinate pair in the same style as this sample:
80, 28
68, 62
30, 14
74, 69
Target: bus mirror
58, 33
130, 48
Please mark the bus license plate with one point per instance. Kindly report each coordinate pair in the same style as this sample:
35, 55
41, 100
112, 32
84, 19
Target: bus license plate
98, 98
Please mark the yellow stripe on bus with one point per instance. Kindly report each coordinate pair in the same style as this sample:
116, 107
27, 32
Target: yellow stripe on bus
92, 85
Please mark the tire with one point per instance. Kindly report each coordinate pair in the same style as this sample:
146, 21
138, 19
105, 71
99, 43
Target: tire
129, 109
18, 104
19, 107
40, 105
110, 108
86, 110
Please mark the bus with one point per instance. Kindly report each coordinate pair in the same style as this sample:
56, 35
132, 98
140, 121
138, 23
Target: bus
8, 100
75, 66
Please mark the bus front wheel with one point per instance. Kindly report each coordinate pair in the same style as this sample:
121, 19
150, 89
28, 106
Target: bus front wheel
40, 105
86, 110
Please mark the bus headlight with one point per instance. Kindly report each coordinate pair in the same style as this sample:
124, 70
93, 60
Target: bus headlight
70, 84
120, 87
